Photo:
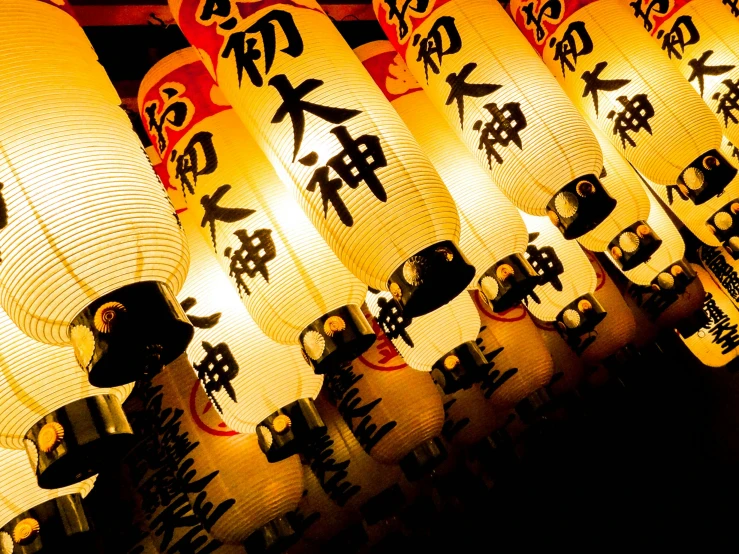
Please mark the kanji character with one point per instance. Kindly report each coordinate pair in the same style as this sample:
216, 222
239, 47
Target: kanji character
594, 84
216, 371
459, 88
504, 128
634, 117
442, 40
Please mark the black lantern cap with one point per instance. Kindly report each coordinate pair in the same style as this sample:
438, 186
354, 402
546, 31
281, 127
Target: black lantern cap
336, 337
78, 440
273, 538
290, 430
508, 281
580, 316
383, 505
431, 278
130, 333
423, 459
674, 279
706, 176
580, 206
58, 525
460, 368
634, 245
724, 223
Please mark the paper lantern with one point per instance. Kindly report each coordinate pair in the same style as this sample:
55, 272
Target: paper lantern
519, 124
494, 245
470, 417
568, 367
442, 342
621, 81
392, 409
625, 234
568, 281
352, 164
723, 270
510, 341
293, 285
92, 253
700, 38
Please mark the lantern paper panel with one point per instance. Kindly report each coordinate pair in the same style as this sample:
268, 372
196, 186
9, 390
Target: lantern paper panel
353, 165
245, 491
520, 361
462, 52
701, 39
621, 81
484, 239
285, 273
391, 408
722, 268
87, 221
568, 367
470, 417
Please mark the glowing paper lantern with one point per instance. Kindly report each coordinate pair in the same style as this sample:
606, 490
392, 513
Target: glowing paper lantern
625, 234
30, 517
393, 410
568, 281
470, 417
520, 125
510, 341
92, 253
442, 342
352, 164
493, 235
723, 270
621, 81
568, 367
293, 285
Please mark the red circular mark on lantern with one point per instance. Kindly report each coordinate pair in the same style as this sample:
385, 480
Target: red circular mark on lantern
200, 405
516, 313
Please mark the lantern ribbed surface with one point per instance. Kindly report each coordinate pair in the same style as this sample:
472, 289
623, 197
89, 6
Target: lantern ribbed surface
555, 145
398, 205
491, 225
615, 62
432, 335
86, 214
470, 417
19, 491
304, 279
575, 279
568, 367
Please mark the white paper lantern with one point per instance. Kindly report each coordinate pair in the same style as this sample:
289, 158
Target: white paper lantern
504, 104
89, 231
353, 166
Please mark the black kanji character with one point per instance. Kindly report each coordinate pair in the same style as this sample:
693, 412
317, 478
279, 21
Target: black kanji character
188, 167
552, 9
733, 5
450, 428
332, 475
251, 257
329, 189
672, 190
634, 117
660, 7
725, 335
175, 516
294, 106
393, 321
728, 102
246, 54
459, 88
394, 13
213, 212
216, 371
699, 69
174, 115
545, 262
436, 44
575, 42
504, 127
683, 33
4, 209
220, 8
594, 84
199, 322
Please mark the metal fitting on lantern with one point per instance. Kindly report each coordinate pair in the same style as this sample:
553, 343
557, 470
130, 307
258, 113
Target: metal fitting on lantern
580, 206
383, 505
674, 279
430, 279
276, 536
290, 429
725, 225
77, 440
336, 337
706, 176
634, 245
130, 332
460, 368
507, 282
580, 316
423, 459
58, 525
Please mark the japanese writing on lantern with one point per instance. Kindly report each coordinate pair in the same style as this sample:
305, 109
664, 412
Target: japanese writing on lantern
442, 40
551, 10
331, 474
719, 326
197, 158
452, 427
546, 263
399, 12
357, 416
728, 101
174, 114
683, 33
575, 42
494, 378
656, 7
715, 262
733, 5
734, 151
393, 321
699, 68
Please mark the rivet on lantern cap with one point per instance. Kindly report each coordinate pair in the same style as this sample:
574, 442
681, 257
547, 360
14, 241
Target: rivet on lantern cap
508, 282
290, 430
580, 316
275, 537
423, 459
725, 225
77, 440
706, 176
460, 368
130, 332
336, 337
383, 505
674, 279
634, 245
430, 279
580, 206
